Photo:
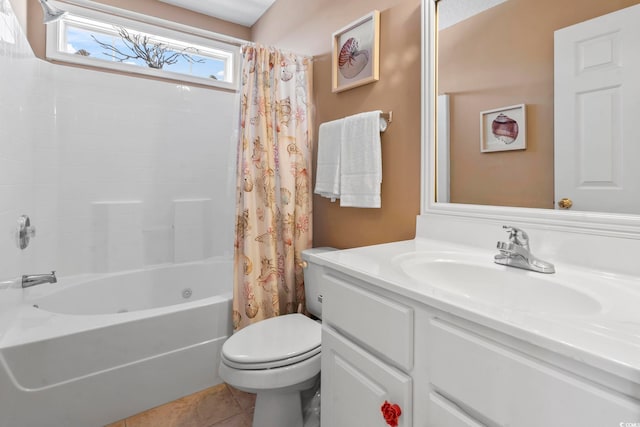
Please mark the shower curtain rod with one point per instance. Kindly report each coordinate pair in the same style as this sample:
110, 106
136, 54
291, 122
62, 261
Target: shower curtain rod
254, 44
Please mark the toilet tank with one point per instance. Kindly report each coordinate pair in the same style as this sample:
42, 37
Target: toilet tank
313, 280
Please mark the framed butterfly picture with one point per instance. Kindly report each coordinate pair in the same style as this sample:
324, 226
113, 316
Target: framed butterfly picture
356, 53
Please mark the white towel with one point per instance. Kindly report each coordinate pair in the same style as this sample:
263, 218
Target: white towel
328, 169
361, 161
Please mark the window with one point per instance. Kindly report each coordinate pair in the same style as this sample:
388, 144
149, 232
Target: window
100, 39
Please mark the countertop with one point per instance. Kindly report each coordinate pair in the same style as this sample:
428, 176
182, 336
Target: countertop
608, 339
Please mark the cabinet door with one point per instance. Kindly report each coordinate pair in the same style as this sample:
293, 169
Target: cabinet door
503, 387
355, 385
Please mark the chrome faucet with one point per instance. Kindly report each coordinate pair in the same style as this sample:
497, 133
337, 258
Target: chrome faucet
516, 252
38, 279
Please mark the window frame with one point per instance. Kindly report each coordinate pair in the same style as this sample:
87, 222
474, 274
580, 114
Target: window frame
153, 26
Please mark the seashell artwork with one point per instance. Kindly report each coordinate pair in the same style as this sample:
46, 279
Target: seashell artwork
351, 60
356, 53
504, 129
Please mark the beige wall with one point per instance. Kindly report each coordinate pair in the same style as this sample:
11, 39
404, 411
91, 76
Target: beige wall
36, 29
306, 27
498, 58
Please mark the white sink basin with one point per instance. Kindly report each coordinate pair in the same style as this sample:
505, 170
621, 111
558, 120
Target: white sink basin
510, 288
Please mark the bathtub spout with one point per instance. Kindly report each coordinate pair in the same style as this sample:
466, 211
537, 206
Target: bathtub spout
38, 279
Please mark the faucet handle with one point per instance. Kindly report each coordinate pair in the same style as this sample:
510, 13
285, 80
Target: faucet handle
517, 235
25, 232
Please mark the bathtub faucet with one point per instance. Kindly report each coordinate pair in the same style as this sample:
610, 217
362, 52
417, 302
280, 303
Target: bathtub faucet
38, 279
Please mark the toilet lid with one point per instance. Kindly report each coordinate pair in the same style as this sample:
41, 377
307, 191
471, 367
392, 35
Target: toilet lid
281, 338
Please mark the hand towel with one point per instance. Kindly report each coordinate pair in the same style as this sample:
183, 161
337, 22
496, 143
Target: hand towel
361, 161
328, 166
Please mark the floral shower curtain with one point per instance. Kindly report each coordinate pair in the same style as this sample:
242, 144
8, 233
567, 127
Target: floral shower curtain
273, 209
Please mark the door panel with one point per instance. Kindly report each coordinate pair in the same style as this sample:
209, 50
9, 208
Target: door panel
597, 132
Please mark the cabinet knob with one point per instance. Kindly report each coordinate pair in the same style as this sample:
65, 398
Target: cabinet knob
391, 412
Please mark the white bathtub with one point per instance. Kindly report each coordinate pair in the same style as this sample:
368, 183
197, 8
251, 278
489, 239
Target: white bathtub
91, 350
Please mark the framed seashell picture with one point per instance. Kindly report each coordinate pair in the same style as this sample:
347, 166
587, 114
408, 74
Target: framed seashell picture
356, 53
503, 129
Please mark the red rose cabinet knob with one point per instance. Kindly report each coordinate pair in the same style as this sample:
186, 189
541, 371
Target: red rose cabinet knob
391, 412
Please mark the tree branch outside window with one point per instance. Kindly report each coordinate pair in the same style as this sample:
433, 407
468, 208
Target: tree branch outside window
154, 54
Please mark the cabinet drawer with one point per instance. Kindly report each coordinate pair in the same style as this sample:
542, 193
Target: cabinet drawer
377, 322
506, 388
444, 413
355, 384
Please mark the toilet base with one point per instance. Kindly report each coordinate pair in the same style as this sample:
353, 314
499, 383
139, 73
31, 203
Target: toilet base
275, 409
281, 407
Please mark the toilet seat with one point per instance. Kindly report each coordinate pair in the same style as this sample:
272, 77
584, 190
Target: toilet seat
273, 343
272, 364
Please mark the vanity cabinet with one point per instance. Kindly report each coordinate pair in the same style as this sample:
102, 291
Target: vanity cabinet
446, 371
367, 355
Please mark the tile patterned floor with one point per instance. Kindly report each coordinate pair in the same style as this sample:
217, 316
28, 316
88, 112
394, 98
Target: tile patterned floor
219, 406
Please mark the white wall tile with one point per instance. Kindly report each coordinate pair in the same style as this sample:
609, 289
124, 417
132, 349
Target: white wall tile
117, 236
71, 137
192, 229
18, 74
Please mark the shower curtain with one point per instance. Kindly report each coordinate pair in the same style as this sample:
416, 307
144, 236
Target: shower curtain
273, 208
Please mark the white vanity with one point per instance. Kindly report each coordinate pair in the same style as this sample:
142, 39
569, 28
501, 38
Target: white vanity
436, 327
417, 324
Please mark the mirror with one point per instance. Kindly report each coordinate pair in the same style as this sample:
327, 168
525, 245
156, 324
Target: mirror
496, 67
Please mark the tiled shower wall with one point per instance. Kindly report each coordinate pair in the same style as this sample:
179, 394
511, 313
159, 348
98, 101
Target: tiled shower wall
115, 172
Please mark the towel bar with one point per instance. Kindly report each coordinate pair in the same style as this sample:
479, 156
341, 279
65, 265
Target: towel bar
385, 119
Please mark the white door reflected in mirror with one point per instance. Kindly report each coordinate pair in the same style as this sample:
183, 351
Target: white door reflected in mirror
596, 69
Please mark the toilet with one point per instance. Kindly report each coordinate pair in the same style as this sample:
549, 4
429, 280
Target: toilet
278, 358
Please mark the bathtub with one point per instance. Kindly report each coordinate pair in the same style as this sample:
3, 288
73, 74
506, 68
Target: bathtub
93, 349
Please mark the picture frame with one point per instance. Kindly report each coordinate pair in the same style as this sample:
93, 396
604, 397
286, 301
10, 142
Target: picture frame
356, 53
503, 129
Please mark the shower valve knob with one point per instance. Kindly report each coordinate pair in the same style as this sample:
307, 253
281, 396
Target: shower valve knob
25, 232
